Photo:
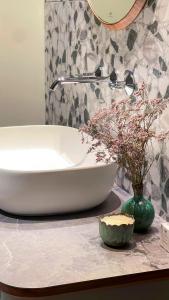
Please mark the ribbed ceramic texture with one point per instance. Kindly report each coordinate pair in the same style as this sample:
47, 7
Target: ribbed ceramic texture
115, 235
142, 210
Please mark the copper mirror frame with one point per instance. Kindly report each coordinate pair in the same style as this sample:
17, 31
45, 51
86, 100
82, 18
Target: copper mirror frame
128, 19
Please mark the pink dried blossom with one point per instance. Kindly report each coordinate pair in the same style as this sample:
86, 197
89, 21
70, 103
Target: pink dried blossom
126, 130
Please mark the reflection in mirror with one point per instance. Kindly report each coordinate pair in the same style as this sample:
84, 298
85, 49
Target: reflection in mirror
111, 11
116, 14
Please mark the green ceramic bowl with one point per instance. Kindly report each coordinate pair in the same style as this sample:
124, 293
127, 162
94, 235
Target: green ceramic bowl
116, 230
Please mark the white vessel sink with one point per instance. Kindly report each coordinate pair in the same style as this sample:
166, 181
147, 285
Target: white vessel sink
46, 170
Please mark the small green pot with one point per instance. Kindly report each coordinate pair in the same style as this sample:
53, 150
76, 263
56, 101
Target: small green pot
116, 235
142, 210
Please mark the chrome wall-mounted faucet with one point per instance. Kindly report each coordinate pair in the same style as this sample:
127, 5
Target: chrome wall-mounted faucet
128, 84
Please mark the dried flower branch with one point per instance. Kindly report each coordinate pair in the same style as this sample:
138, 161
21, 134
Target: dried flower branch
126, 129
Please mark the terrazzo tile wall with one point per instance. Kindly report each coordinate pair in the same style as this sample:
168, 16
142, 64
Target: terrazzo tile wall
77, 43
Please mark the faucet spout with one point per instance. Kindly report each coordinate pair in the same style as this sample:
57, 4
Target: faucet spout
111, 80
78, 79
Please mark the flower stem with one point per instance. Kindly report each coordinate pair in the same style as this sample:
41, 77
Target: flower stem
138, 189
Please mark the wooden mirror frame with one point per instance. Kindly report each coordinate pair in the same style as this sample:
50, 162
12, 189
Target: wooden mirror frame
128, 19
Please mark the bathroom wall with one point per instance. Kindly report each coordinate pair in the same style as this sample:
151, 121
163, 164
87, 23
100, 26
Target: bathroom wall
22, 62
76, 43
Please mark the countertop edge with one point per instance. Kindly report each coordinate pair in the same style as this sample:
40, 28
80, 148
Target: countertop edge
86, 285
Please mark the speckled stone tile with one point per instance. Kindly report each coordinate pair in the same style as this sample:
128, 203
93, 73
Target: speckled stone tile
77, 43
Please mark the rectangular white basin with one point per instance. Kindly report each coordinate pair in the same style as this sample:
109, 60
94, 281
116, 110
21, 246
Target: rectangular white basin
46, 170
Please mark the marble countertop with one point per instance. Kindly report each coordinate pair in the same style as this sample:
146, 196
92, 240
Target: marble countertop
55, 251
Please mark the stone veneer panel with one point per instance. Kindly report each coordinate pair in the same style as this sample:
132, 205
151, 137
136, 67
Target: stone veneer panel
76, 43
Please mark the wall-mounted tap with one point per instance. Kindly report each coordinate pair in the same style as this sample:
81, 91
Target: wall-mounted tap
128, 84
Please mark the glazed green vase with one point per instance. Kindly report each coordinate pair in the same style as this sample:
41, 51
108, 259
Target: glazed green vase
142, 210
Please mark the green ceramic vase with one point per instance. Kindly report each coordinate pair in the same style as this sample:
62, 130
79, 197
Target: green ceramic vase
142, 210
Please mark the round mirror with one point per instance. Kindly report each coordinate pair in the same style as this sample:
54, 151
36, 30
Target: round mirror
116, 14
